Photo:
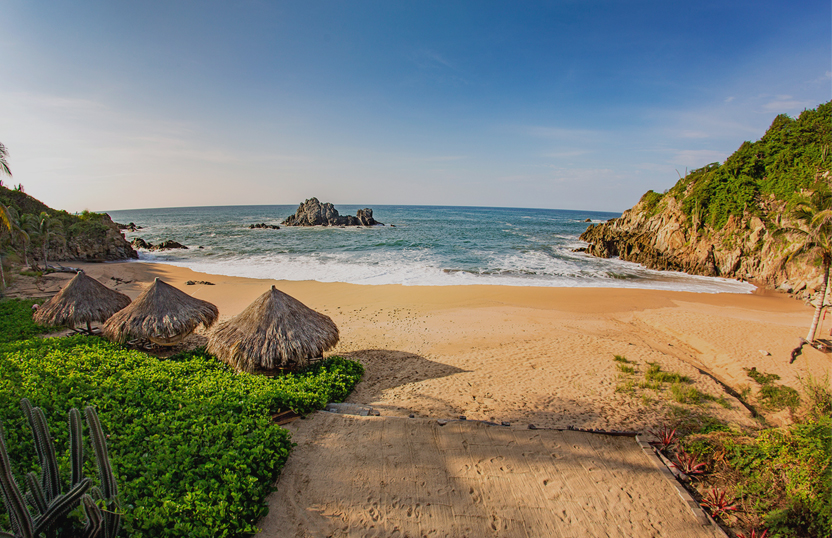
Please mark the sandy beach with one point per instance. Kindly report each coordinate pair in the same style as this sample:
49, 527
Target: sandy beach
528, 355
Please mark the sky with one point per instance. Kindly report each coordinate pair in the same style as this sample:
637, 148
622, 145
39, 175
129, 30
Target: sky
562, 105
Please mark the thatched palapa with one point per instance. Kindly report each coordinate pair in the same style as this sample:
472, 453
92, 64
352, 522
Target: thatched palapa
162, 314
275, 332
83, 300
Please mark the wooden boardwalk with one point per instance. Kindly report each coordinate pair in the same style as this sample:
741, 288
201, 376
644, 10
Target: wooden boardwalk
390, 476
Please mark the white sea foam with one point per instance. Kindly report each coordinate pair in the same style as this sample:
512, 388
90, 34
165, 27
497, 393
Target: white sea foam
422, 269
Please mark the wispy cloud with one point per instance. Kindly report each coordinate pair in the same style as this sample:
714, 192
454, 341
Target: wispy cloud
694, 134
445, 158
558, 133
696, 158
567, 153
785, 103
429, 59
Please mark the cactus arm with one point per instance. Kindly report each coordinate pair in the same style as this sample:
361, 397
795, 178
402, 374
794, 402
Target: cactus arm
99, 444
36, 493
61, 505
19, 515
76, 447
94, 518
45, 449
112, 518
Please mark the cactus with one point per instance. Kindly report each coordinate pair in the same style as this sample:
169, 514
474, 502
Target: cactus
45, 497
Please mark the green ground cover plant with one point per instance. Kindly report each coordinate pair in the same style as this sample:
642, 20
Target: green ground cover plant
192, 443
780, 476
773, 397
16, 320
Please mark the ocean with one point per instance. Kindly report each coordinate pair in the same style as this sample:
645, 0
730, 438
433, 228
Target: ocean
419, 246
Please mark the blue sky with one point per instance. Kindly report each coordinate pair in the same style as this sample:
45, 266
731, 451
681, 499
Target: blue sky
564, 105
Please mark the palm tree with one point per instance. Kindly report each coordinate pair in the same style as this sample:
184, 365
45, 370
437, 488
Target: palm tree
813, 214
4, 164
5, 217
47, 227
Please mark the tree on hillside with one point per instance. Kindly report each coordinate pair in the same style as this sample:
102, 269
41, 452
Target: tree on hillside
46, 227
813, 234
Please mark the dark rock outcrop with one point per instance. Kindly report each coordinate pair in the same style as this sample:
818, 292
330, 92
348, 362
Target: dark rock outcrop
169, 244
140, 243
263, 226
314, 213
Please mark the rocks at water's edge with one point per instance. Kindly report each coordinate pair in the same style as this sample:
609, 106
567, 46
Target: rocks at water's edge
164, 245
744, 249
131, 227
314, 213
263, 226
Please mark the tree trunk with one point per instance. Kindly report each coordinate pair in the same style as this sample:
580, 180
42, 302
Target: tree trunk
819, 308
2, 273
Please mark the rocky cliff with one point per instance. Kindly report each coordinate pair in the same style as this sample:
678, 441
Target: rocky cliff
314, 213
85, 237
726, 220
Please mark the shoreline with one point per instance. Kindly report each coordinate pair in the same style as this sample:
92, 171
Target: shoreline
528, 355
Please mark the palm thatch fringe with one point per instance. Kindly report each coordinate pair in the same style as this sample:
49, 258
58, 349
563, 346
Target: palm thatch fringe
83, 300
163, 314
275, 332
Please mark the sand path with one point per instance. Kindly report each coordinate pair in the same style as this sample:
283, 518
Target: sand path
390, 476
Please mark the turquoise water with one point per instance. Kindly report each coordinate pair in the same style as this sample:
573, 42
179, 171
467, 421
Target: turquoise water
426, 245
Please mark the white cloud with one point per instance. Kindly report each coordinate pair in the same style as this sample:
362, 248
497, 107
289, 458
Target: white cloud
697, 158
786, 103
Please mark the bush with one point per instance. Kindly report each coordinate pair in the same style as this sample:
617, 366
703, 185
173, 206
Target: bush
782, 476
191, 442
16, 320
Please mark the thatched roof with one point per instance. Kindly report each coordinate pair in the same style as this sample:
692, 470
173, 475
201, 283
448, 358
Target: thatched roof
83, 300
274, 332
162, 314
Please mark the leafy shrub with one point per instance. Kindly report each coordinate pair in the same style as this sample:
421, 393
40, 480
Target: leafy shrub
654, 373
783, 476
191, 442
651, 200
778, 397
16, 320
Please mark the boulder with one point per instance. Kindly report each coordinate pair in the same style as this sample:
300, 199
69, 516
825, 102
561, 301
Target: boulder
170, 244
140, 243
263, 226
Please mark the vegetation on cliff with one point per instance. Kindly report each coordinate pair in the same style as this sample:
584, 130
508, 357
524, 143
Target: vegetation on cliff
791, 157
31, 232
724, 219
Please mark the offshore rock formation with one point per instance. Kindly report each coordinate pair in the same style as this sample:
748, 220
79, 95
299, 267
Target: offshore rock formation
313, 213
